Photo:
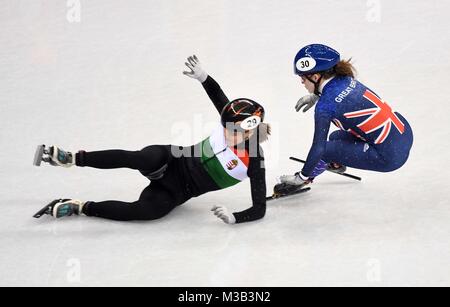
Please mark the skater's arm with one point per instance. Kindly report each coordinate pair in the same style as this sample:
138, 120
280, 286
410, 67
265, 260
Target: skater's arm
211, 87
257, 174
322, 127
215, 93
258, 210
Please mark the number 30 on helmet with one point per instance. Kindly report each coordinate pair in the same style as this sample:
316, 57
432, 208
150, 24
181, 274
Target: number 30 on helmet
315, 58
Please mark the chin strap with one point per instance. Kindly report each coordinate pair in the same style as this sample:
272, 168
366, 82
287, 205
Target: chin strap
316, 85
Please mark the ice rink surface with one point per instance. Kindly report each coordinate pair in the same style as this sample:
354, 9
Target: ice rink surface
113, 80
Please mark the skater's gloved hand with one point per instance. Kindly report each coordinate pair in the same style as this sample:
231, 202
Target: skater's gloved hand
223, 214
196, 70
309, 101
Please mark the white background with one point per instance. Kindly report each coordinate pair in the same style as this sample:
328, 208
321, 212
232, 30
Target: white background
113, 80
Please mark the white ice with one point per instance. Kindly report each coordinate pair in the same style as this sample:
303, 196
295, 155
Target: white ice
113, 80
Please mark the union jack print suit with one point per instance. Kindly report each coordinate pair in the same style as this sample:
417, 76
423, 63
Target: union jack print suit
371, 135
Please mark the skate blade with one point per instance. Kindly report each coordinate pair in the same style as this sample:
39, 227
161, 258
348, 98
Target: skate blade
38, 155
44, 210
285, 188
279, 196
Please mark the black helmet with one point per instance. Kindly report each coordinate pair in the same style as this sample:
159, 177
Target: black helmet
244, 110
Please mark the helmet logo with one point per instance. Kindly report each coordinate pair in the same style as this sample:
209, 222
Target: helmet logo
232, 164
242, 112
251, 123
305, 64
239, 109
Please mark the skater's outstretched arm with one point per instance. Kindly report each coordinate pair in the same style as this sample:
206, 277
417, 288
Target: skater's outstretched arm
257, 174
211, 87
258, 210
215, 93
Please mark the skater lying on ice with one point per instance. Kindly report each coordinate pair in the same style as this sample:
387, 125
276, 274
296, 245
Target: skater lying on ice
231, 154
371, 136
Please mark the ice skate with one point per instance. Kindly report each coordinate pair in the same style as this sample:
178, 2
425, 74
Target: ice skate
284, 189
61, 207
293, 180
54, 156
290, 185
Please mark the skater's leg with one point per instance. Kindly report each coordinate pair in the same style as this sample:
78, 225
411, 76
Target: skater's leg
154, 203
355, 154
345, 149
340, 135
324, 164
343, 136
150, 158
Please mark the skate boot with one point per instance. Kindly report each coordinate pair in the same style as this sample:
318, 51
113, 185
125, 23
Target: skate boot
62, 207
294, 180
290, 184
336, 168
53, 155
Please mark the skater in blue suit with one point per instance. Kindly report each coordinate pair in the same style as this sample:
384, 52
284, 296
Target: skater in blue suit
371, 135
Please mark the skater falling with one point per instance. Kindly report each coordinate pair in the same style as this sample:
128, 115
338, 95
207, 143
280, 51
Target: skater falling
231, 154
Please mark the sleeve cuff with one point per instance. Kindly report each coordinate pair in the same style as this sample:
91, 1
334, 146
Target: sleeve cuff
202, 78
233, 219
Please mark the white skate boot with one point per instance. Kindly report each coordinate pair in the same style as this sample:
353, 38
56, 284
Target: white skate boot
62, 207
294, 180
53, 155
290, 185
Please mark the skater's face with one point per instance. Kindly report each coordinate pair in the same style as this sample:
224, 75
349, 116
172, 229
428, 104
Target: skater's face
236, 137
308, 84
